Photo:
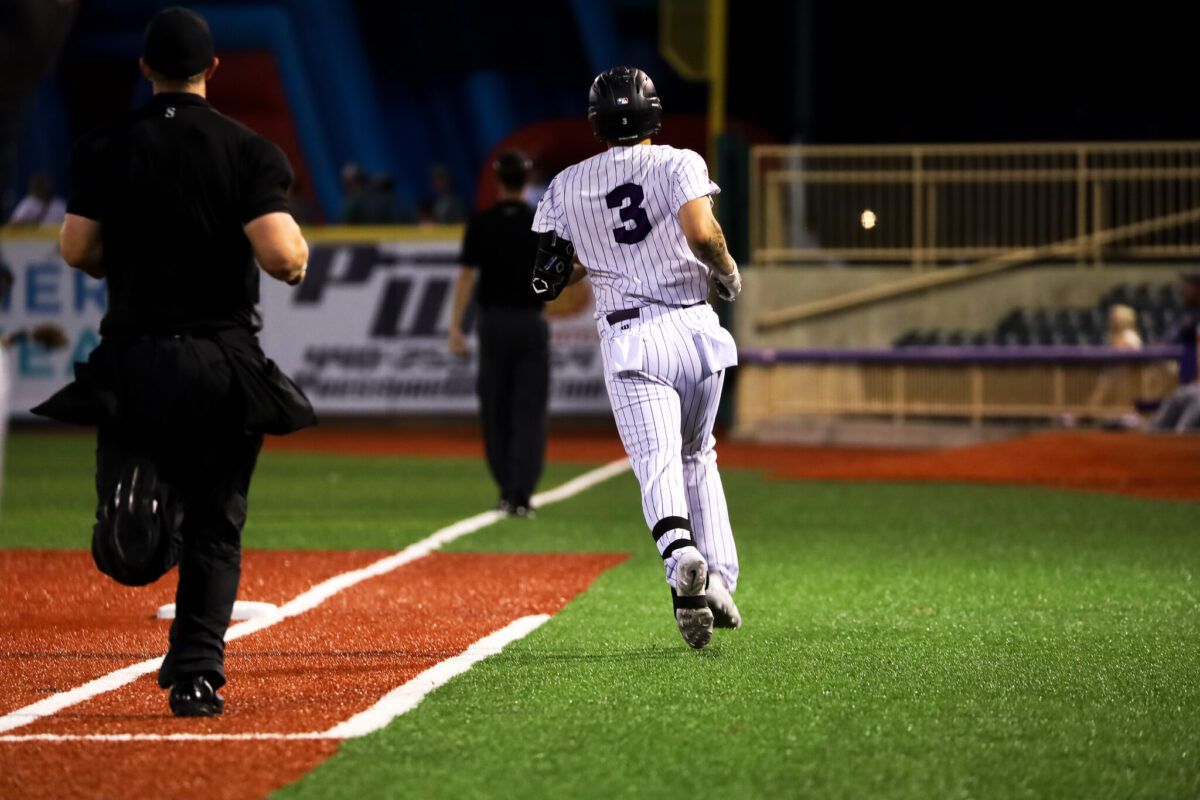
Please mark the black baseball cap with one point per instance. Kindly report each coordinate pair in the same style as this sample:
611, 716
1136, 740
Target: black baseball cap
178, 43
513, 167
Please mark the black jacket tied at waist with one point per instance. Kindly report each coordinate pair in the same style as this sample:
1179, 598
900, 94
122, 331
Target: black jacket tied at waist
271, 402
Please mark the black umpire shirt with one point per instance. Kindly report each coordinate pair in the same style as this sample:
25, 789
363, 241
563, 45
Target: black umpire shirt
172, 185
500, 242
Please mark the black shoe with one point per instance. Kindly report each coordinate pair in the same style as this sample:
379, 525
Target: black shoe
194, 696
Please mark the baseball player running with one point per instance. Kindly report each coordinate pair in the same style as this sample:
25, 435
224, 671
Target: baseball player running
637, 219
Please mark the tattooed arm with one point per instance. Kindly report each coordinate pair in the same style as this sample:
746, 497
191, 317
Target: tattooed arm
707, 242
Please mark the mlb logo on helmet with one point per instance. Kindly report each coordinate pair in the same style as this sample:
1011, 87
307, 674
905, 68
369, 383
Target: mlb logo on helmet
623, 106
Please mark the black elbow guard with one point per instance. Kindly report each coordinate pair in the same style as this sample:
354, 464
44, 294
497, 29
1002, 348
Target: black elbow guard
552, 267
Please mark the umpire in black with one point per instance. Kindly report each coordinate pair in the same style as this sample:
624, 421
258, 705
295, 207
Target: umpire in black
173, 203
514, 340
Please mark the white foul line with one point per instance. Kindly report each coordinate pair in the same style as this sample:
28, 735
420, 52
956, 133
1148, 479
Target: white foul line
406, 697
307, 600
401, 700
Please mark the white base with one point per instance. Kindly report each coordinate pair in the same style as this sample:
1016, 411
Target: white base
242, 610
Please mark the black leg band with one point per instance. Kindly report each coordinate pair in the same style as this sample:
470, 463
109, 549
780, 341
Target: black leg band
667, 524
678, 544
696, 602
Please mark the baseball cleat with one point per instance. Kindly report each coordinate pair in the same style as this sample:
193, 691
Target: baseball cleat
720, 602
692, 614
194, 696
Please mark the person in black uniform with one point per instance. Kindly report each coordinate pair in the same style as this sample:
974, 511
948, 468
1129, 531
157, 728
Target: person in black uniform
514, 340
172, 204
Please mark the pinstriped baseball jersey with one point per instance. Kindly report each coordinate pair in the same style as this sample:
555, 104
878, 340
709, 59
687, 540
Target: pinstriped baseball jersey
665, 364
620, 209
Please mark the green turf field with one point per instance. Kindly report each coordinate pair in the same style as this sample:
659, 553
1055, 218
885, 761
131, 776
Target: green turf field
907, 641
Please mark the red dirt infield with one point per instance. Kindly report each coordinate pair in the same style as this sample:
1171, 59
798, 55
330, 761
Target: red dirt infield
1159, 466
302, 675
63, 623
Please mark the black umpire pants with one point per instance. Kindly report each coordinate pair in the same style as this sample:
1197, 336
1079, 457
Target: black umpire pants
181, 410
514, 384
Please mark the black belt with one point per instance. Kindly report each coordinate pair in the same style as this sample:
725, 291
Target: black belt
634, 313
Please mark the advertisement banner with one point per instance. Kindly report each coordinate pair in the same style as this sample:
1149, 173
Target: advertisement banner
45, 291
365, 334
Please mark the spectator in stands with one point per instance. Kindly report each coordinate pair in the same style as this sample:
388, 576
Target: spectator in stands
446, 208
424, 211
41, 207
1122, 335
356, 197
1180, 411
382, 207
1122, 328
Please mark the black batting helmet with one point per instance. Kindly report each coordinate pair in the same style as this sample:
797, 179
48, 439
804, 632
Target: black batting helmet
623, 106
135, 539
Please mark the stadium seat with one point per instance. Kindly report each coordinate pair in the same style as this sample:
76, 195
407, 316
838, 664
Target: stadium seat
1157, 307
1141, 297
909, 338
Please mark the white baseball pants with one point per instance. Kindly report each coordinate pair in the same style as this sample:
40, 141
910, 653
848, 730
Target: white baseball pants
664, 371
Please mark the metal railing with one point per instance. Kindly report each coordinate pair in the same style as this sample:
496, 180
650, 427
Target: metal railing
974, 385
928, 205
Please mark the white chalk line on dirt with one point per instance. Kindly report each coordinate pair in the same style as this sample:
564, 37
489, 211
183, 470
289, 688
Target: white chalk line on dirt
401, 700
301, 603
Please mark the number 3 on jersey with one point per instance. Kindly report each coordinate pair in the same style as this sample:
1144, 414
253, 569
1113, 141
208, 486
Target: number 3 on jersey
628, 199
